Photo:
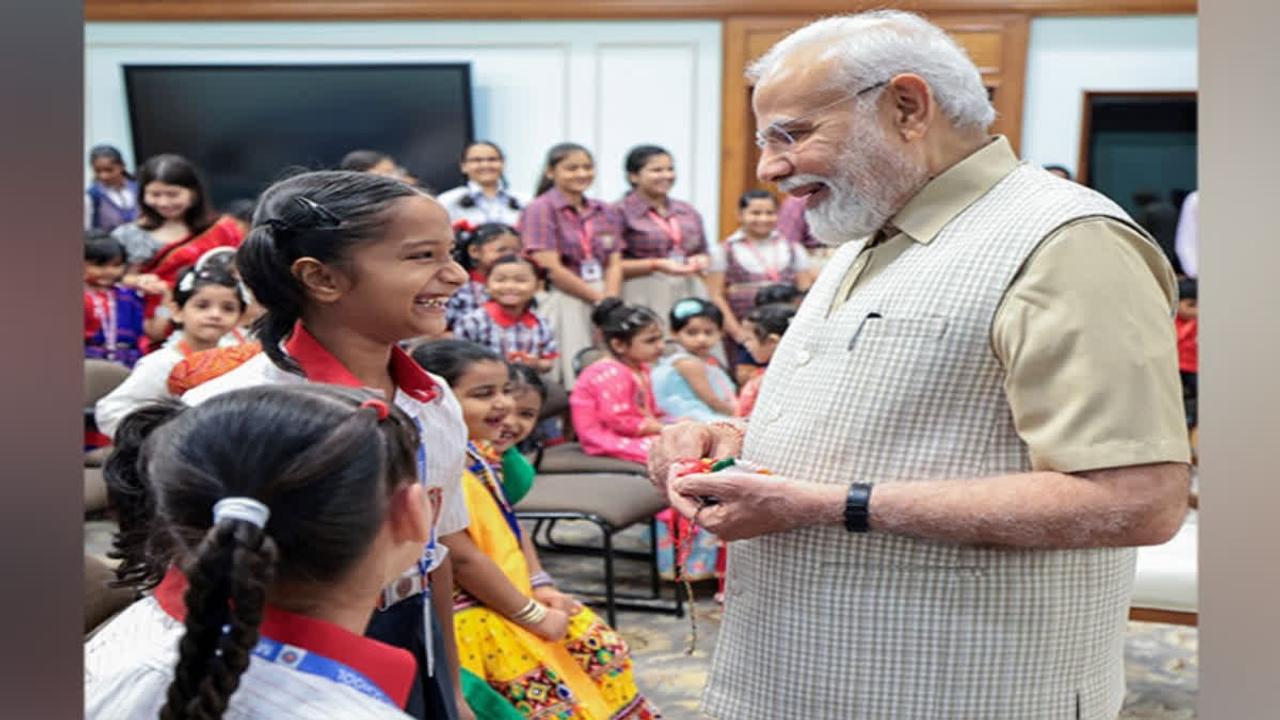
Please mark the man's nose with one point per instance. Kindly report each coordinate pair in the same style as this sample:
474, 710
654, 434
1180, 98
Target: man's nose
772, 167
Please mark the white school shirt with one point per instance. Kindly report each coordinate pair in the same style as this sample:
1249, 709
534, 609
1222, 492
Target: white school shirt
147, 382
486, 209
129, 664
423, 396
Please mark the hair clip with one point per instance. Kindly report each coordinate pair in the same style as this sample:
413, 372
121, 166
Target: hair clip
686, 308
325, 215
188, 281
378, 406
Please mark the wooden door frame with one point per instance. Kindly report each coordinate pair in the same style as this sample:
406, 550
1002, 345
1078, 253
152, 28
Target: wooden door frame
1086, 118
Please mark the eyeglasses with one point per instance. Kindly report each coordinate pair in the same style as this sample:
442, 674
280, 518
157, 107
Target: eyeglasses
777, 135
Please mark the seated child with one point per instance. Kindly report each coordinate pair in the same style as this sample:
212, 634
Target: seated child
690, 383
745, 368
506, 322
478, 248
763, 328
266, 558
114, 328
208, 305
1187, 325
541, 650
612, 404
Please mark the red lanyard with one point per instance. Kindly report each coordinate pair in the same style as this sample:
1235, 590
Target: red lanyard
584, 234
105, 310
774, 274
670, 225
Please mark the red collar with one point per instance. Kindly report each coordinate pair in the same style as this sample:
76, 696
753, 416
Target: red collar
319, 365
393, 669
506, 319
477, 276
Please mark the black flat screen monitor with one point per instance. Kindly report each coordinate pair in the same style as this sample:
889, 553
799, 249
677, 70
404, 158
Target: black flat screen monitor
246, 125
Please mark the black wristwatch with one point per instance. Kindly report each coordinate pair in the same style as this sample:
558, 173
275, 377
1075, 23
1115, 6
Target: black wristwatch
857, 518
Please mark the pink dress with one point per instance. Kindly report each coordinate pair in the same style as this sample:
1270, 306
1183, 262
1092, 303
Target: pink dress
610, 402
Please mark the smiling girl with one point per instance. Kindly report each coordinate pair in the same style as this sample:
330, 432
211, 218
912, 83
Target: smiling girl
537, 647
346, 264
577, 241
176, 225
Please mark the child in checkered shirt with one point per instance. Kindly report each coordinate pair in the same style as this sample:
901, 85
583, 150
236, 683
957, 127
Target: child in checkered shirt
506, 322
478, 248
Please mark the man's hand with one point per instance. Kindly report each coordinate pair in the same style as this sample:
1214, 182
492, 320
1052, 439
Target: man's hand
748, 505
690, 441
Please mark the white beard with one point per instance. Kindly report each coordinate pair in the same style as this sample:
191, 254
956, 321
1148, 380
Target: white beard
886, 179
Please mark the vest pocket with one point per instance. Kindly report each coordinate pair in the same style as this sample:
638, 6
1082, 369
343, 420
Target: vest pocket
875, 325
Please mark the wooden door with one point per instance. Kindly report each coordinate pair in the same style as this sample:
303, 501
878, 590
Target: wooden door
997, 43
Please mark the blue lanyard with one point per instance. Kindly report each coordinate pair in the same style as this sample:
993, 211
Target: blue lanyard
311, 663
424, 563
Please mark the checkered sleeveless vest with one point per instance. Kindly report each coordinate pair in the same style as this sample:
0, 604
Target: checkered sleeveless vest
900, 383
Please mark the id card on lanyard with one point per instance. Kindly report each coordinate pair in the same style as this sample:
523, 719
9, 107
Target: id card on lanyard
589, 268
671, 226
428, 556
304, 661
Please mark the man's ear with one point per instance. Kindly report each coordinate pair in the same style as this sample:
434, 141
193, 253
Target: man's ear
912, 105
320, 282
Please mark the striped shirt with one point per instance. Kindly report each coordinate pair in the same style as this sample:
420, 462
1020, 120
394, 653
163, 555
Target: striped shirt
551, 223
518, 339
647, 233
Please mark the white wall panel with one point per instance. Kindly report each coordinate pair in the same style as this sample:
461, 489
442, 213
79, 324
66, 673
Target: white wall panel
607, 85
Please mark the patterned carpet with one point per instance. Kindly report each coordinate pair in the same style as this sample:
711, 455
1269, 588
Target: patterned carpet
1161, 664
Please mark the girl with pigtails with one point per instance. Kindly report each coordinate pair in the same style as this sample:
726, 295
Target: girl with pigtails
266, 521
346, 265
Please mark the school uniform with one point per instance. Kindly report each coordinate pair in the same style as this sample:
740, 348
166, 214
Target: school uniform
528, 334
441, 459
467, 299
648, 233
302, 667
106, 208
468, 202
584, 239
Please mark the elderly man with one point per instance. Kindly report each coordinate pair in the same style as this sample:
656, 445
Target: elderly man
974, 416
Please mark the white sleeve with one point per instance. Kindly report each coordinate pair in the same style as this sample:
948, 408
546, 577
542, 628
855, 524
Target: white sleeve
148, 382
718, 258
453, 507
800, 261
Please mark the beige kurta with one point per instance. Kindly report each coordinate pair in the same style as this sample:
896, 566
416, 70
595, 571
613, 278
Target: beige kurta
969, 344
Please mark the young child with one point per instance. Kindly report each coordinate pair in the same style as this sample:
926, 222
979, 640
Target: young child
208, 305
752, 257
478, 249
346, 264
266, 558
764, 327
1187, 324
112, 198
612, 405
690, 383
540, 649
506, 322
114, 325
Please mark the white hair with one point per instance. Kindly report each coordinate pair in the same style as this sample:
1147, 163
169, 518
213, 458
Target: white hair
874, 46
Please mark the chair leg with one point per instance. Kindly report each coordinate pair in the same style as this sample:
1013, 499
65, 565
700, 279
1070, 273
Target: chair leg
610, 599
654, 579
